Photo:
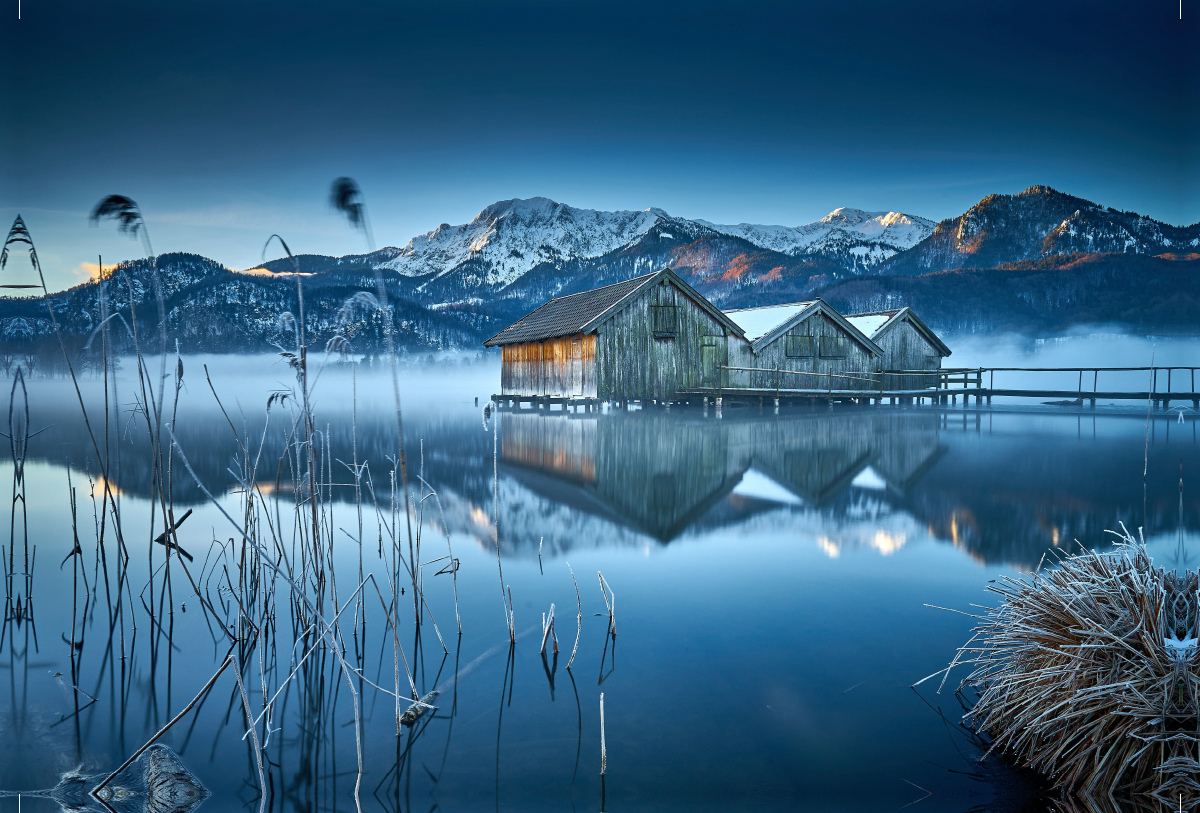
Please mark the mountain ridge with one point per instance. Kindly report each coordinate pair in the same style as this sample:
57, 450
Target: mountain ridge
512, 237
1037, 222
1034, 254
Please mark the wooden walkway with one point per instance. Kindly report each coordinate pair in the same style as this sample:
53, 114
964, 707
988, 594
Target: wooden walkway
948, 385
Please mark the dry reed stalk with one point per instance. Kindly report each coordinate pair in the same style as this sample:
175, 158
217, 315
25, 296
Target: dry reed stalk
1089, 674
548, 630
579, 618
258, 756
603, 750
612, 607
453, 566
327, 629
346, 197
508, 614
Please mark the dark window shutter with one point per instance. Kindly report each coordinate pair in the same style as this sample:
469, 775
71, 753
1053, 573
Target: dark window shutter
833, 347
799, 347
665, 321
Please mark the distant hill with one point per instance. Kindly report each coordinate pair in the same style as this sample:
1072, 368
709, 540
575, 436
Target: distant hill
1134, 292
1039, 222
210, 308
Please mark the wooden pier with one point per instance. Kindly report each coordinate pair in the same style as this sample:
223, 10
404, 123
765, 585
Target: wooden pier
947, 385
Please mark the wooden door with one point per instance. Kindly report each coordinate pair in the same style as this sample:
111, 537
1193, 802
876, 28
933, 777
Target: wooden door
709, 359
576, 366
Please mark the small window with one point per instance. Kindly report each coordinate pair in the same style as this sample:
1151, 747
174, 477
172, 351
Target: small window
933, 362
833, 347
799, 347
665, 321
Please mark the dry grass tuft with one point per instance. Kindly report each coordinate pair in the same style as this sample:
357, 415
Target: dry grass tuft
1088, 673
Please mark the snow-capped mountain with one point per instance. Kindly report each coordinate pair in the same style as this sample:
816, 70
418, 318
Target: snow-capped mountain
853, 238
513, 236
1037, 223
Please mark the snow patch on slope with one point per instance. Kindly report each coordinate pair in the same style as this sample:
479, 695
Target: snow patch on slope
841, 228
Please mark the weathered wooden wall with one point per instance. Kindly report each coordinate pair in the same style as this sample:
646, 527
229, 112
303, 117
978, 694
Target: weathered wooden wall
633, 364
653, 471
858, 361
905, 348
559, 368
550, 444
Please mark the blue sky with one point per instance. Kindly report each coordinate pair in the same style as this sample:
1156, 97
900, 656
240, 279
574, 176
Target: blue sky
227, 121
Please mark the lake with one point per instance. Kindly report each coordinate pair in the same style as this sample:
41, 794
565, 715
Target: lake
771, 573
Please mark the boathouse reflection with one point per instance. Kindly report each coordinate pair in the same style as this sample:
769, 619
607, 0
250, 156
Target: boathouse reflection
658, 473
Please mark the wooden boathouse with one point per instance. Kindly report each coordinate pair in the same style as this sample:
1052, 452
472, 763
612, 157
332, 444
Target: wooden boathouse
645, 339
908, 345
804, 345
656, 340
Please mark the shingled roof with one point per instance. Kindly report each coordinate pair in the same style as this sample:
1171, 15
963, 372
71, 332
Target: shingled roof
580, 313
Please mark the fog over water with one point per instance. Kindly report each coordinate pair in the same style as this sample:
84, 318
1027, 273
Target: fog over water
771, 573
1084, 347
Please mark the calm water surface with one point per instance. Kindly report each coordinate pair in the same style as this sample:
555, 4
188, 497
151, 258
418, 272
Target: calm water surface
771, 575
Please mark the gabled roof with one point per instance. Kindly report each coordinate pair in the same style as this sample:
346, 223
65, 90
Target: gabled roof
877, 323
787, 316
584, 312
758, 322
870, 323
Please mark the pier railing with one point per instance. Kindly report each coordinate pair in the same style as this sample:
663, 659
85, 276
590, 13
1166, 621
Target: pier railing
971, 381
946, 377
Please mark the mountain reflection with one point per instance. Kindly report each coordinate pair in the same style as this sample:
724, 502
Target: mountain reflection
1001, 487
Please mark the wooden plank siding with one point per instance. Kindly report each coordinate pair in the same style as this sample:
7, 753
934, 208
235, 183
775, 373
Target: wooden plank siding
858, 361
905, 348
559, 368
564, 448
632, 363
654, 473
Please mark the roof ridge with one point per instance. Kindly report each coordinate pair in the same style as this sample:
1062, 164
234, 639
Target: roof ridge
764, 307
